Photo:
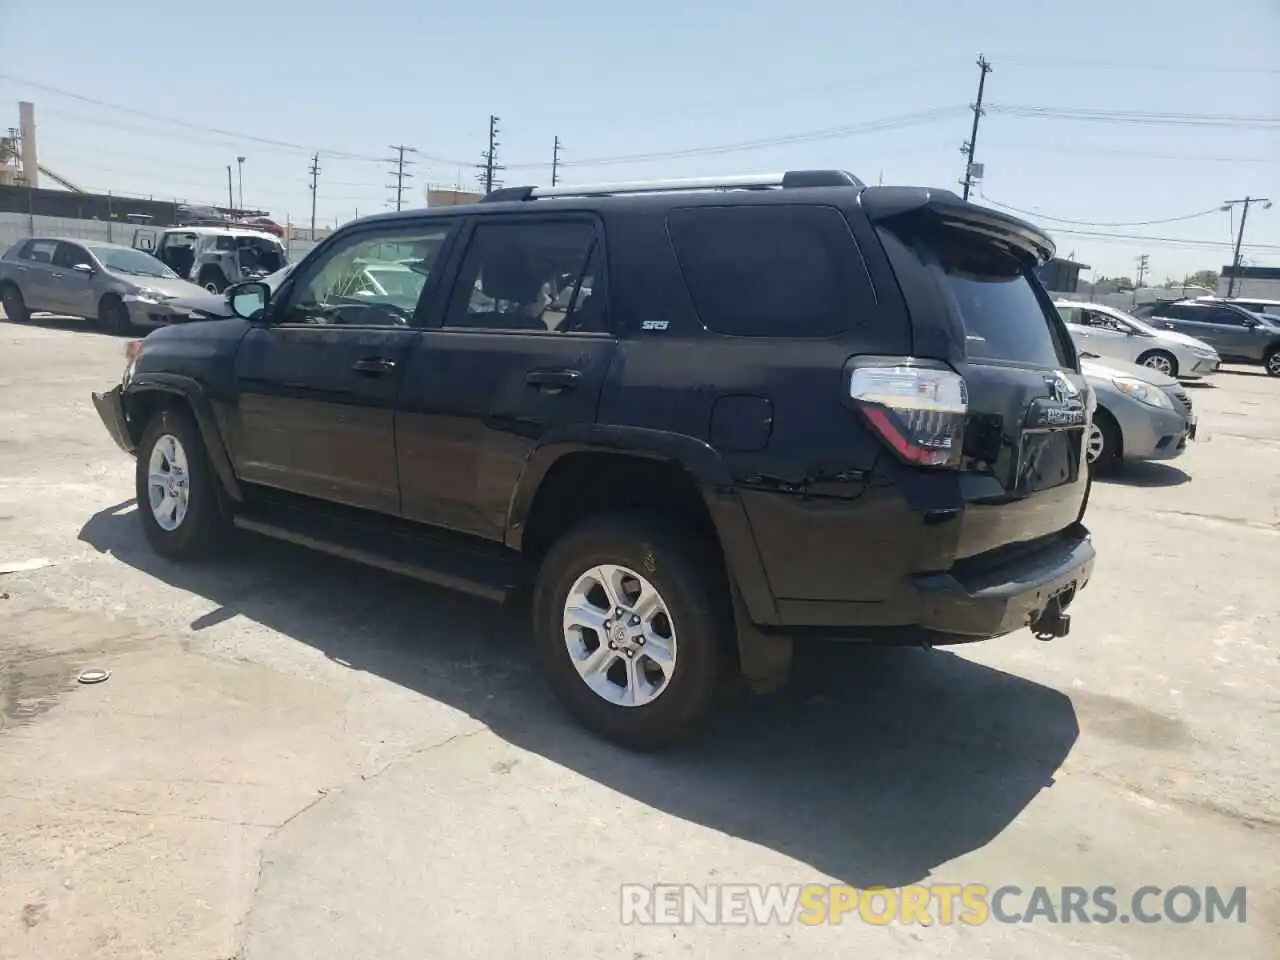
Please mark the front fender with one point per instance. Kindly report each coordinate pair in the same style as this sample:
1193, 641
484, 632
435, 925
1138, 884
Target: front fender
694, 456
191, 391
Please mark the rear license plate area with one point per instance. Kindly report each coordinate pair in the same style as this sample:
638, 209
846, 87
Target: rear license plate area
1048, 459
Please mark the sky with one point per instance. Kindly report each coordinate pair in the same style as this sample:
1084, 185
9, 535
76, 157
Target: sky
1180, 103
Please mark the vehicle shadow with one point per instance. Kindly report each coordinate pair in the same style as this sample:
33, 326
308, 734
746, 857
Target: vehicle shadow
1198, 384
1244, 372
874, 767
1148, 473
49, 321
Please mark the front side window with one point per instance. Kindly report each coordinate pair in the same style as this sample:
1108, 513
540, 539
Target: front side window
369, 280
69, 255
539, 276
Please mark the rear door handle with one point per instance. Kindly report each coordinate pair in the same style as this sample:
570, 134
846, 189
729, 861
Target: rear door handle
553, 380
374, 366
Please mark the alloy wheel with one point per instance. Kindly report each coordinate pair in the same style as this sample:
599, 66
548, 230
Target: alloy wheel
1160, 363
1097, 442
620, 636
167, 482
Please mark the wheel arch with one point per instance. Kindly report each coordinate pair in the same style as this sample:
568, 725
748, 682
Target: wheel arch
147, 394
619, 468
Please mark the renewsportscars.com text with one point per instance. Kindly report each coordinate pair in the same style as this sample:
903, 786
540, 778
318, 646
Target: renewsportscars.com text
939, 903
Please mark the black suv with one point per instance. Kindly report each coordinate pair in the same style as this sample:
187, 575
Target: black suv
698, 420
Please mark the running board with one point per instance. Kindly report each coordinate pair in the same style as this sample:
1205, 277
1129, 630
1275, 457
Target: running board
489, 572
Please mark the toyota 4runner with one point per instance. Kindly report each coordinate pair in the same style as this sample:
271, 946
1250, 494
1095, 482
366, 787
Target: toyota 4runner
699, 421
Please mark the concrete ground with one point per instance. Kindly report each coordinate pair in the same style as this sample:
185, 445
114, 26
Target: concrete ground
297, 759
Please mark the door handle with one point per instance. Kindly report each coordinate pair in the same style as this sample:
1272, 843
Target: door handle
374, 366
553, 380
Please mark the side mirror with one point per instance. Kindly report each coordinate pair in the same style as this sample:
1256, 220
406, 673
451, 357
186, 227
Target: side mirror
85, 268
249, 299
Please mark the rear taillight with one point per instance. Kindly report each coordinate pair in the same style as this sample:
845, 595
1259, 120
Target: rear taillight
917, 407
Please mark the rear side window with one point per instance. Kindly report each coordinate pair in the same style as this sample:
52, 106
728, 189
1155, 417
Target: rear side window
41, 251
770, 271
991, 290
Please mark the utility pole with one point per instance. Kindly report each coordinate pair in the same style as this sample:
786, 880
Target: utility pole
400, 172
488, 165
1244, 215
314, 170
555, 163
231, 199
1143, 262
971, 146
240, 173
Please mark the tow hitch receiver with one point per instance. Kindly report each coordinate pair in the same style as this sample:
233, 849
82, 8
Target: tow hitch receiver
1052, 622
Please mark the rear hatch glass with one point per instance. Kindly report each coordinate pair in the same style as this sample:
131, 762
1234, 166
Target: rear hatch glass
1024, 435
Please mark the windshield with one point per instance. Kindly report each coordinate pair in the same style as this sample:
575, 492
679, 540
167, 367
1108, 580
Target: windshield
396, 281
135, 263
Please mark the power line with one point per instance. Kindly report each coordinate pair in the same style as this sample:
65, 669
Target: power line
174, 121
1180, 241
1090, 223
1178, 65
969, 147
400, 173
807, 136
1137, 117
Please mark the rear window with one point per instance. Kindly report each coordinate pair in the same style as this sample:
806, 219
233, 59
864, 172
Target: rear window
770, 271
992, 291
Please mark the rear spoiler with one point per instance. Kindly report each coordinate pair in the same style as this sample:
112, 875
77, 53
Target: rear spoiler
885, 203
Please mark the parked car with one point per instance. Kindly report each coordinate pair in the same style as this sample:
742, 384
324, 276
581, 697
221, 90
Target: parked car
1141, 414
119, 287
1238, 335
214, 256
1270, 307
1112, 333
791, 407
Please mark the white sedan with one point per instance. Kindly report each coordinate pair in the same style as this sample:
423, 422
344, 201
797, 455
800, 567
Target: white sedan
1107, 332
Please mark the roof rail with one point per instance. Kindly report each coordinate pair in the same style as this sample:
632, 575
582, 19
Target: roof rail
755, 181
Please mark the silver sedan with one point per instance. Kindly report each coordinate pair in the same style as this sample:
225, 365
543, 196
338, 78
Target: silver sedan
1142, 414
118, 286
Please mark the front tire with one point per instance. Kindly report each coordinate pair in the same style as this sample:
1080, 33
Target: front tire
1105, 448
15, 308
1161, 361
113, 316
178, 494
1272, 362
630, 619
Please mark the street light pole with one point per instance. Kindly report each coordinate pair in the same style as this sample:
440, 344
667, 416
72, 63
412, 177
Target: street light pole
240, 170
1244, 215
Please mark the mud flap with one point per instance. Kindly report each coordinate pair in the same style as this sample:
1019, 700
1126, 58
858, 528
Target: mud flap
764, 659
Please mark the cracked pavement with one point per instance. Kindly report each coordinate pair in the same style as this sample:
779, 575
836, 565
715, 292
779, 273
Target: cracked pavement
296, 758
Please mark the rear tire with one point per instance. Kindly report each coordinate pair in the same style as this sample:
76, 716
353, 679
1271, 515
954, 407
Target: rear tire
1272, 362
180, 501
1105, 445
213, 281
113, 316
15, 308
632, 700
1161, 361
